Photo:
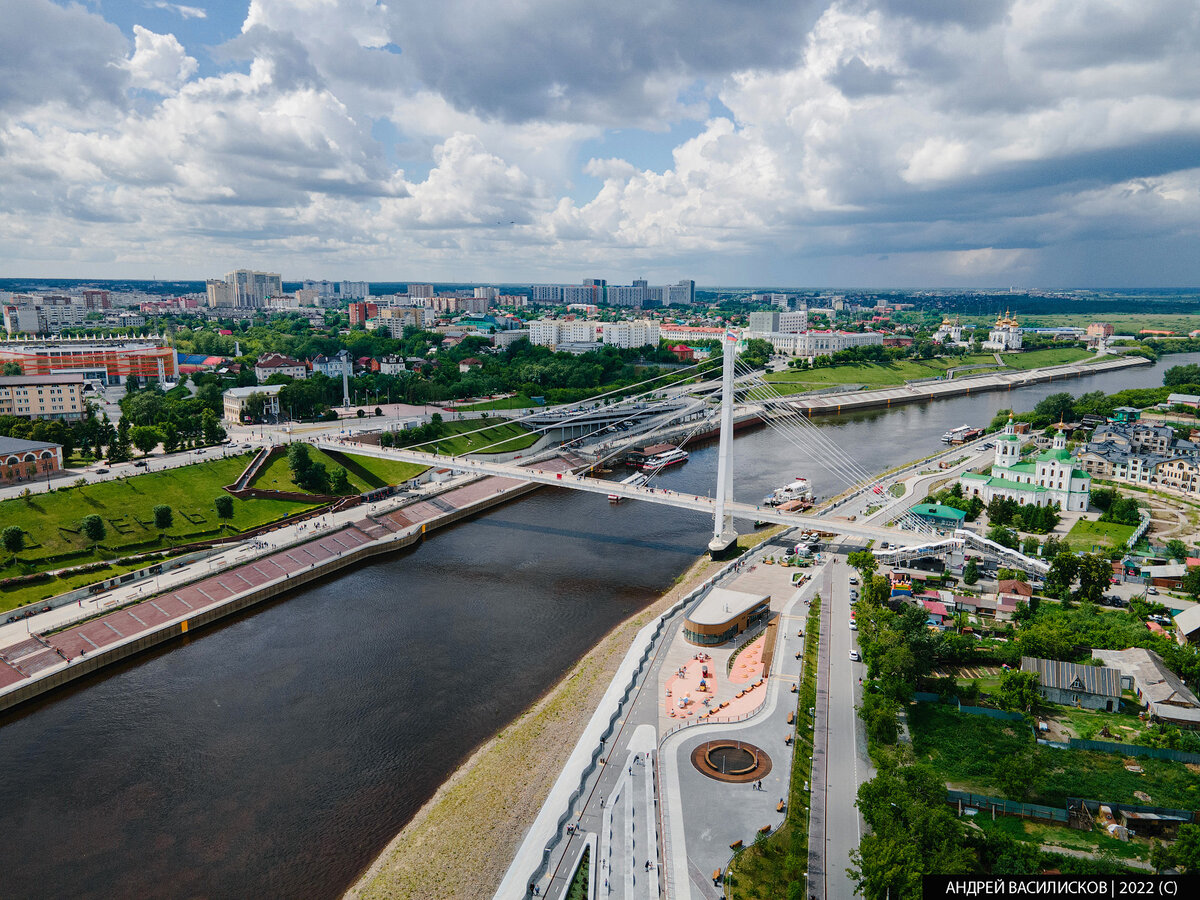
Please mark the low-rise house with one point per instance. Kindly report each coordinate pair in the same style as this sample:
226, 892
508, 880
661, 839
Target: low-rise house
277, 364
392, 365
1187, 626
1160, 690
936, 613
1089, 687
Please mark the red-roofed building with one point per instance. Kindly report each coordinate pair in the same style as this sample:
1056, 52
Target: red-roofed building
683, 352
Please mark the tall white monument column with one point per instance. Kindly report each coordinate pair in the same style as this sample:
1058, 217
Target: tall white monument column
724, 535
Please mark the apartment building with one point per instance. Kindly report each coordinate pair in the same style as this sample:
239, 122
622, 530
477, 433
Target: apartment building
43, 397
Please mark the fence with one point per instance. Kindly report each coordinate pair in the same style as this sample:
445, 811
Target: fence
997, 806
927, 697
1135, 750
1093, 806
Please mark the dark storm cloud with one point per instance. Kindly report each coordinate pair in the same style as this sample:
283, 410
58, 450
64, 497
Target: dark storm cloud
591, 61
50, 54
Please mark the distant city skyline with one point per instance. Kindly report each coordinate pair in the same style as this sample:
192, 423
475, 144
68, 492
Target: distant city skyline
865, 143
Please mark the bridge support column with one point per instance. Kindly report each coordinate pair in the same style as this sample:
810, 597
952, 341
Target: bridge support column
724, 535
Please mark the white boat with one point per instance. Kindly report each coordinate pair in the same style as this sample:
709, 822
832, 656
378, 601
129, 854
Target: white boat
955, 434
637, 479
799, 489
662, 460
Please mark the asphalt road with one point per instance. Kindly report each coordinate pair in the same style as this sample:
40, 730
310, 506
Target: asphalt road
847, 764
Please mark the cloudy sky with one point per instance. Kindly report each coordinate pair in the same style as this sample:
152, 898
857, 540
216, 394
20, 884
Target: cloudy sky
1039, 143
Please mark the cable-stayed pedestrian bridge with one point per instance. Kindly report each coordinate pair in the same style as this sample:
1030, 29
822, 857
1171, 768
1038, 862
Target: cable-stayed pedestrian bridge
690, 501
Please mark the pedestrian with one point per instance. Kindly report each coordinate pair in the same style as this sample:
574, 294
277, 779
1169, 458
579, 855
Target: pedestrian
631, 770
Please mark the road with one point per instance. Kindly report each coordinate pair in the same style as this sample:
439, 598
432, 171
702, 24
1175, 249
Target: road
847, 763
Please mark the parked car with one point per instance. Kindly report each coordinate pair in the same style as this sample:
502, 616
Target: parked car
854, 657
1161, 620
853, 625
1152, 590
854, 579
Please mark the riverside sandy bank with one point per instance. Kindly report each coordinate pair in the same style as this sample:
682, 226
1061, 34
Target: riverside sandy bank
460, 843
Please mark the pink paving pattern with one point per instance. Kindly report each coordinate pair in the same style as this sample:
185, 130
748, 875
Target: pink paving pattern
749, 665
746, 701
683, 697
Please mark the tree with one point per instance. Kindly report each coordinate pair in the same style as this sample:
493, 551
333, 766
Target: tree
1015, 773
1177, 550
1191, 582
339, 481
1056, 407
92, 527
1019, 690
1061, 576
1095, 575
118, 450
210, 426
224, 505
145, 438
864, 561
163, 517
1005, 537
13, 539
1176, 375
11, 368
971, 572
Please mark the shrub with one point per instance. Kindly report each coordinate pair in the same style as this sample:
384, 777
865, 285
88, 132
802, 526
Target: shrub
92, 527
163, 517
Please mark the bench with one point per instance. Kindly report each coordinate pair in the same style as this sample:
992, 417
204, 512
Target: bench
766, 829
788, 739
779, 806
736, 845
791, 717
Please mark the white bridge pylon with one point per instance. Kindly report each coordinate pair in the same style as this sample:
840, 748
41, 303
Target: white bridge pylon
724, 534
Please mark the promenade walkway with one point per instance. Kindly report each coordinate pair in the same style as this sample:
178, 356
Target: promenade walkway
145, 608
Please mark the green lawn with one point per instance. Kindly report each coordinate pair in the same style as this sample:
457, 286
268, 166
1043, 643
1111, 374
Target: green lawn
871, 374
12, 597
366, 472
1085, 534
496, 439
968, 749
893, 373
126, 505
1051, 356
519, 401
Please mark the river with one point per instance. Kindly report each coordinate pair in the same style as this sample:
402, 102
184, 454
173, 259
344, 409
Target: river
276, 754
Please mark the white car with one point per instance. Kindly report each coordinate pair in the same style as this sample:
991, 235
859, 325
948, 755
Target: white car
854, 657
853, 579
853, 625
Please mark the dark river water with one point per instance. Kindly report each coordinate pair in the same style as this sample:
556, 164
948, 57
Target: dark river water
276, 754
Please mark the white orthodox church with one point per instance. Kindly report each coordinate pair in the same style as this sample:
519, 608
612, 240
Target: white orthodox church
948, 332
1050, 478
1005, 334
